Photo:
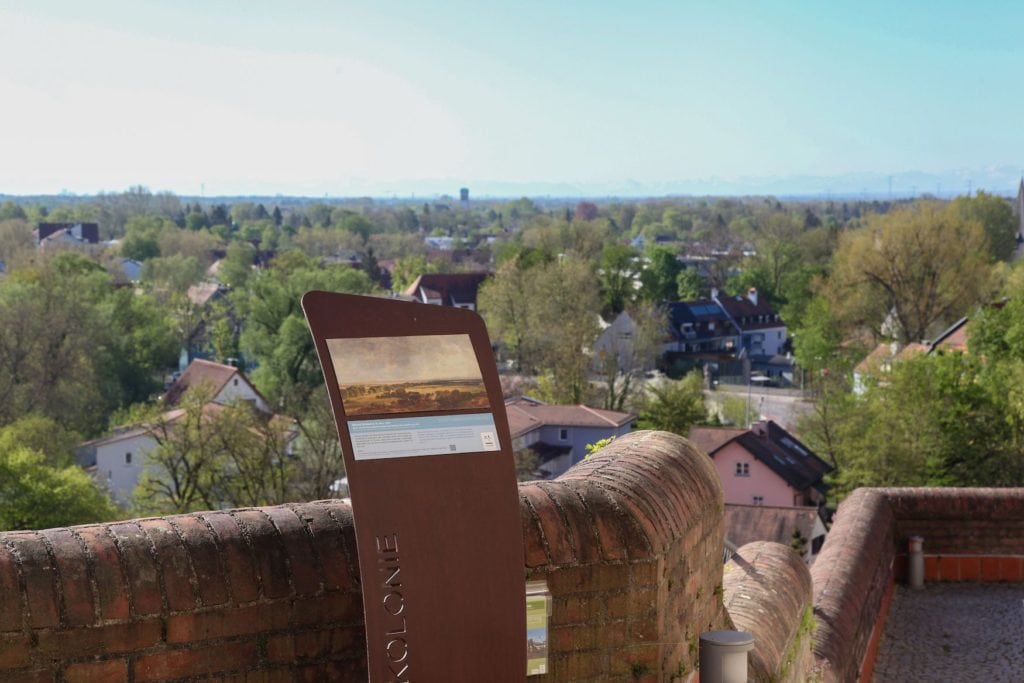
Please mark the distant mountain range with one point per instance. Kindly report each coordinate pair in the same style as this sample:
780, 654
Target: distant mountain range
1001, 180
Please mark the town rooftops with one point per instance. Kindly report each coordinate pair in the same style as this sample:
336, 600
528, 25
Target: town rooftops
526, 414
448, 289
748, 523
782, 452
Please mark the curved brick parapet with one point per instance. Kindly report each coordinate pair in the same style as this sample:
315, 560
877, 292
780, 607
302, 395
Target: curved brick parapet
177, 597
767, 592
850, 577
629, 541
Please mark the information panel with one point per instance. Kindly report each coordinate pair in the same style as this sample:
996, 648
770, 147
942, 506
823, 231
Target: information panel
419, 410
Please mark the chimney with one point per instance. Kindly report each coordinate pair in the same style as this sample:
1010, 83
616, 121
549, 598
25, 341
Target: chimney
760, 428
752, 295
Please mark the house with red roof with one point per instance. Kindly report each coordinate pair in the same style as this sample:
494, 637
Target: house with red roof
118, 460
559, 434
225, 384
764, 465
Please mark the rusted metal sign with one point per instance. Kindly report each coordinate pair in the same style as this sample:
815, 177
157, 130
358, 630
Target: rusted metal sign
422, 424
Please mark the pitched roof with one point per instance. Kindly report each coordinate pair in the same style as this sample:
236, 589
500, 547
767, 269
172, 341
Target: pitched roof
954, 338
83, 232
450, 288
785, 455
749, 315
213, 376
201, 294
699, 314
710, 439
794, 462
885, 353
526, 414
748, 523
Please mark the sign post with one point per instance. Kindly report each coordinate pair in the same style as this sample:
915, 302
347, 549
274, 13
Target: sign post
421, 418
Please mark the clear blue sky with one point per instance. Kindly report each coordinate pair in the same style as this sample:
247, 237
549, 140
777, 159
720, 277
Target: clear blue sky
337, 98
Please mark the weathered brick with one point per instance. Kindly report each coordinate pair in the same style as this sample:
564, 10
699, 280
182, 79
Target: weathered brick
173, 562
268, 550
345, 608
204, 555
576, 666
315, 644
556, 534
108, 671
637, 661
241, 571
99, 640
589, 579
43, 608
72, 566
578, 608
224, 623
143, 578
10, 606
195, 661
578, 522
111, 584
533, 539
15, 652
305, 572
345, 669
328, 546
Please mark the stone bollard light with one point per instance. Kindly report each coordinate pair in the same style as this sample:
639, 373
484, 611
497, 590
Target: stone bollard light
723, 656
916, 563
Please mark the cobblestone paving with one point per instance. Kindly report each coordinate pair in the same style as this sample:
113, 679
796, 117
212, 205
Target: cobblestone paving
954, 632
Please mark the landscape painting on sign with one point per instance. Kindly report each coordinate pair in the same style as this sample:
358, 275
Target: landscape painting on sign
379, 375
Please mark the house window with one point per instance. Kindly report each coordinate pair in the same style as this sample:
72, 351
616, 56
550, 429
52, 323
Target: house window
758, 500
563, 434
128, 458
235, 383
743, 469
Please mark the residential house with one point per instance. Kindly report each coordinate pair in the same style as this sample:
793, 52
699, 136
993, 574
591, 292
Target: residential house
225, 384
762, 332
764, 465
119, 460
701, 327
50, 235
879, 363
801, 528
560, 434
447, 289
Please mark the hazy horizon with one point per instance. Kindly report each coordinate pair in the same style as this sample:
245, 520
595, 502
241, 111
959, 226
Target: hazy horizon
569, 100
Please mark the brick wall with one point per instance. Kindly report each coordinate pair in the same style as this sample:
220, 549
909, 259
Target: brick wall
629, 541
272, 590
767, 592
969, 535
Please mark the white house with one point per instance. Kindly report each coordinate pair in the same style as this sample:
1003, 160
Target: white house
118, 460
